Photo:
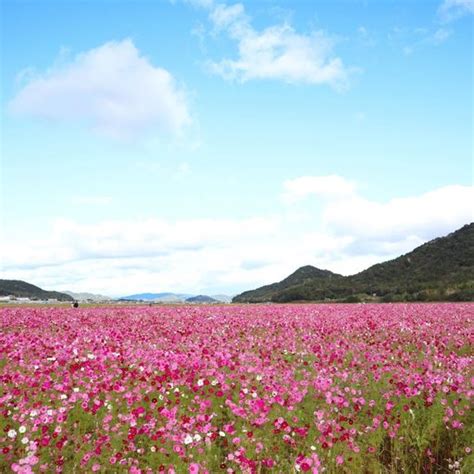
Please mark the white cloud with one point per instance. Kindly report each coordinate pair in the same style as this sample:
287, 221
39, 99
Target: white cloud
277, 52
347, 234
324, 186
113, 89
425, 216
389, 227
71, 240
365, 37
412, 40
452, 9
223, 16
440, 36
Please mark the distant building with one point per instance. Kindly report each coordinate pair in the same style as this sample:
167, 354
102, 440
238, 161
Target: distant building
23, 299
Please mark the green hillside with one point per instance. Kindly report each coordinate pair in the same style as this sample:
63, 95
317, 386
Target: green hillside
442, 269
20, 288
302, 276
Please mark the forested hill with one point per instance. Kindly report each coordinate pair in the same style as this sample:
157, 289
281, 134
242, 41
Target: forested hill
442, 269
302, 276
23, 289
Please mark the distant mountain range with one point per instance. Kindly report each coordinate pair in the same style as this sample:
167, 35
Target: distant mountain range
156, 297
88, 296
202, 299
22, 289
176, 298
442, 269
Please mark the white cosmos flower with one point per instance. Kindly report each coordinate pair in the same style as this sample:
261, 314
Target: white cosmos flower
22, 429
197, 437
200, 382
11, 434
188, 439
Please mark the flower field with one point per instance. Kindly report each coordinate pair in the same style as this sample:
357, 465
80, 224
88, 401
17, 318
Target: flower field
253, 389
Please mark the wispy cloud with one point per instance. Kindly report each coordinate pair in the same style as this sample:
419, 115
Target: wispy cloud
440, 36
112, 89
277, 52
451, 10
365, 37
411, 40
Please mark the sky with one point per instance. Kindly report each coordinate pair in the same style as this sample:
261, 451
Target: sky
208, 147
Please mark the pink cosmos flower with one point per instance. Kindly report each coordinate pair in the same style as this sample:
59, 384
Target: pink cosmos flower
193, 468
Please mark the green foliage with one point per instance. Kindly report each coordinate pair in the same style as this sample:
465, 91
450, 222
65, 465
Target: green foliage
23, 289
353, 299
440, 270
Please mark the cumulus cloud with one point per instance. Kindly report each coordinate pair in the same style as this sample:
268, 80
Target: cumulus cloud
277, 52
127, 239
379, 230
112, 88
425, 216
188, 255
346, 234
410, 219
194, 255
452, 9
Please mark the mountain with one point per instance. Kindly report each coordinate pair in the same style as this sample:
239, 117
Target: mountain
176, 298
442, 269
87, 296
22, 289
302, 276
157, 297
201, 299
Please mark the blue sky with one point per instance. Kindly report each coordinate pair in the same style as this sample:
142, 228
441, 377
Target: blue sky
205, 146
